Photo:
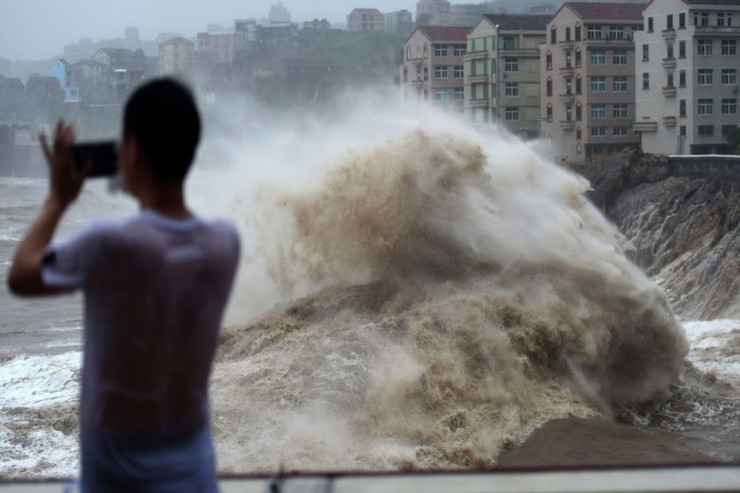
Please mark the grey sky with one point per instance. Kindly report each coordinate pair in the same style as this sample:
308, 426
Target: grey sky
38, 29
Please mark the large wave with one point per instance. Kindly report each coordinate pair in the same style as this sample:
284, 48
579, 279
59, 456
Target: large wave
441, 293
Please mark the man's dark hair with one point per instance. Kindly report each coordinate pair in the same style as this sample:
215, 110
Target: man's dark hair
164, 119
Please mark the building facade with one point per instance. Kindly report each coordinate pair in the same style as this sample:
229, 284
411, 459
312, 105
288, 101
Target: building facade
433, 66
61, 70
502, 72
588, 73
365, 21
176, 56
687, 68
220, 47
399, 22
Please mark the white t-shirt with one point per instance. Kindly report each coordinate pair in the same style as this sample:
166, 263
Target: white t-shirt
155, 291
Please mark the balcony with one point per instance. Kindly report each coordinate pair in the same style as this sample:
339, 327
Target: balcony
475, 55
566, 98
478, 103
645, 126
567, 124
669, 34
669, 62
566, 71
608, 42
669, 91
669, 121
716, 30
476, 79
566, 43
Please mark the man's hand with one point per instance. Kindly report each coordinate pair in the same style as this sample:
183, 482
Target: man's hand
65, 182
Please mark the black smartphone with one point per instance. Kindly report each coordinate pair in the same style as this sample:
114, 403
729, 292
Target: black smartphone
103, 156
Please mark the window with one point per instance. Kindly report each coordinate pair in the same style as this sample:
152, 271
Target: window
705, 106
594, 32
616, 32
650, 24
704, 47
509, 43
729, 47
459, 94
682, 49
669, 51
621, 131
567, 59
548, 61
426, 72
459, 50
704, 76
459, 72
619, 57
553, 35
440, 94
567, 33
729, 76
512, 64
578, 84
669, 22
598, 84
726, 129
682, 20
578, 32
704, 19
568, 86
512, 89
682, 78
619, 111
645, 80
578, 58
405, 73
598, 57
549, 86
578, 134
549, 112
705, 130
619, 84
440, 72
440, 51
578, 112
670, 80
426, 50
645, 53
598, 111
598, 131
729, 106
568, 113
720, 19
682, 108
512, 114
682, 130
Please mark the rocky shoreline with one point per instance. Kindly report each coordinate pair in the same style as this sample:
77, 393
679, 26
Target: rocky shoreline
684, 231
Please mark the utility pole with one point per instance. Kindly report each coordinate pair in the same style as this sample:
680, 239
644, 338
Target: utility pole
498, 89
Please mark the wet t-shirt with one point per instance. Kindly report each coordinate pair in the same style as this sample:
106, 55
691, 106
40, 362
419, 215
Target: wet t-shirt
155, 291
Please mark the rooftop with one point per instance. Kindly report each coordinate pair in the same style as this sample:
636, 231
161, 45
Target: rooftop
508, 22
606, 11
446, 33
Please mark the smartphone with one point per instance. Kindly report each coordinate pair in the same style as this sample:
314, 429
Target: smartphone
103, 156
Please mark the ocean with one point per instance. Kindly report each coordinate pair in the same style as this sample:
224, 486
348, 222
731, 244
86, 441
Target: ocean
414, 295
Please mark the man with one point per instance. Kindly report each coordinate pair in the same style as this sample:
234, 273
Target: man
155, 287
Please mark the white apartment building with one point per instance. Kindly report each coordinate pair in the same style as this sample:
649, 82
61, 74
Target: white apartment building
176, 56
510, 95
365, 21
433, 67
588, 79
687, 69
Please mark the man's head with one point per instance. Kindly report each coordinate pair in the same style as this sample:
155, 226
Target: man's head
162, 117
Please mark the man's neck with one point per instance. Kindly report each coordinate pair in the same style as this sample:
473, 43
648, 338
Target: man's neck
167, 199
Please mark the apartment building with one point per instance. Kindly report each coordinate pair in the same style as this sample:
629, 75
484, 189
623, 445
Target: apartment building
433, 66
588, 72
687, 67
365, 21
221, 47
502, 67
176, 56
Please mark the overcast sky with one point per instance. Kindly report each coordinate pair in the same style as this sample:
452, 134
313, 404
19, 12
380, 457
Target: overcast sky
39, 29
